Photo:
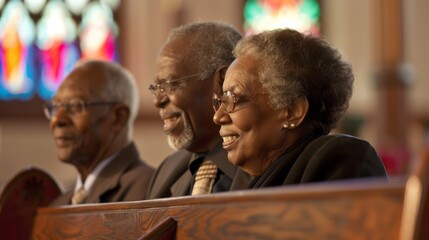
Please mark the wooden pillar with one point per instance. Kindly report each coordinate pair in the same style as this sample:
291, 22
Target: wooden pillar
392, 112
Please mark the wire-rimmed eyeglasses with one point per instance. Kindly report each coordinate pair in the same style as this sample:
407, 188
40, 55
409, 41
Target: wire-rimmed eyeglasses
74, 106
169, 85
227, 99
230, 101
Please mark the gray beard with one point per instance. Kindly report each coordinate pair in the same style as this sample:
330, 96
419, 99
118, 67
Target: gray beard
183, 141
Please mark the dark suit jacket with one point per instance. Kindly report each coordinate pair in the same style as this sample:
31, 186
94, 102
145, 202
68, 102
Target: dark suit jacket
330, 157
125, 178
174, 177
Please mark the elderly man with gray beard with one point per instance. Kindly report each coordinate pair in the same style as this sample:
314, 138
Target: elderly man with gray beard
190, 67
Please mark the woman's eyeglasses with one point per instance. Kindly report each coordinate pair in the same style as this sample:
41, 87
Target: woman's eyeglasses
230, 101
227, 99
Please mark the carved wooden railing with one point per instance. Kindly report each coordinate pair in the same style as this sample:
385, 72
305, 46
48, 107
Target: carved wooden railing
365, 209
354, 209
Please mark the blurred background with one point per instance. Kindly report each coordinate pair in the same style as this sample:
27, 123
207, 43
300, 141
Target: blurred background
386, 41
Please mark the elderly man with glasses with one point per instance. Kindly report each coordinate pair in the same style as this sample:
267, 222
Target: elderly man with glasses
191, 66
91, 119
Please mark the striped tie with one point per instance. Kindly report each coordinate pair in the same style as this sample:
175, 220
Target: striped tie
205, 177
79, 196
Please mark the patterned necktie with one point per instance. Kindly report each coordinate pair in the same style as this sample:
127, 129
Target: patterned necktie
205, 177
79, 196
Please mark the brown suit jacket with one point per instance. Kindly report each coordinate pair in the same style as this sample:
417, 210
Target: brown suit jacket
173, 177
126, 178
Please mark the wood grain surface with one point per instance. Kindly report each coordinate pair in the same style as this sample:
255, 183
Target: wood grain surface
345, 210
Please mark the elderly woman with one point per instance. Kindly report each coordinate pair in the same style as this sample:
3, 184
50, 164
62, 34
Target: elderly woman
282, 96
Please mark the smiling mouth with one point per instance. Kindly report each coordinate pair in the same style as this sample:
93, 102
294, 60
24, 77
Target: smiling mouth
228, 141
170, 123
63, 141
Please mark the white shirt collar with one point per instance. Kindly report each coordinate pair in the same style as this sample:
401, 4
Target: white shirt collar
90, 179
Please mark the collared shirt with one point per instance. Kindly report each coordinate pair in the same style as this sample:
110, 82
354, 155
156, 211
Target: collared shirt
90, 179
226, 170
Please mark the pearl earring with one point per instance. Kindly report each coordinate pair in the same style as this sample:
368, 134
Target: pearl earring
292, 125
285, 125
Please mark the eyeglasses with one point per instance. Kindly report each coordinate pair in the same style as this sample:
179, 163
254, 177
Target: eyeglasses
230, 101
74, 106
168, 86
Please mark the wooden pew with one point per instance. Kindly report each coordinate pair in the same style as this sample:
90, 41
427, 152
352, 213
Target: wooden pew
358, 209
19, 199
369, 209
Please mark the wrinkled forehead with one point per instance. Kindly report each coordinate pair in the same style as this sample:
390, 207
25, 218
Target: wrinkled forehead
243, 72
84, 85
168, 66
173, 60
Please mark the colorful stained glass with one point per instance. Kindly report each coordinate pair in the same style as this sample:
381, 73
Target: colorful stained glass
113, 4
35, 6
301, 15
76, 6
40, 42
98, 32
56, 39
17, 52
1, 4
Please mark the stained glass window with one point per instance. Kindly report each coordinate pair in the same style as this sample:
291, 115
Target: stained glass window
17, 52
56, 40
41, 40
301, 15
98, 33
35, 6
1, 4
76, 6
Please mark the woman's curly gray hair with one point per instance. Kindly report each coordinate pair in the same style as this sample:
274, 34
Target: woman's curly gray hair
292, 64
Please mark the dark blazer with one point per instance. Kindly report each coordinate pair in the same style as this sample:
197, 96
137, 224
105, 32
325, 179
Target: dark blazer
171, 176
174, 177
125, 178
325, 158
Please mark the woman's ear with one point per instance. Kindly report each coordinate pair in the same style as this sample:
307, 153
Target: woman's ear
296, 113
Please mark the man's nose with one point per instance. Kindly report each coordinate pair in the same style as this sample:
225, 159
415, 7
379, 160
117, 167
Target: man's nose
59, 117
160, 99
